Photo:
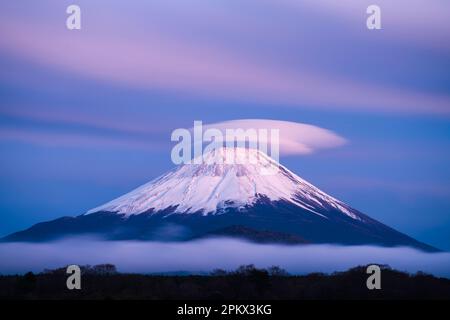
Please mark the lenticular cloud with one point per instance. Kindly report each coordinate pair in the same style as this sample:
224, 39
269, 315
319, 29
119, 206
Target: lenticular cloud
295, 138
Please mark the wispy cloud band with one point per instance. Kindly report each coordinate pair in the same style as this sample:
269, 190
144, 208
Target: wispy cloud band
160, 60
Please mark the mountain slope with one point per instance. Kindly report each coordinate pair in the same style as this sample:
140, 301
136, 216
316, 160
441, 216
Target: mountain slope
250, 197
213, 185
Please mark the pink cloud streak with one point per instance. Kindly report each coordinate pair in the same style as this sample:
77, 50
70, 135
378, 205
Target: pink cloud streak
70, 139
180, 66
38, 114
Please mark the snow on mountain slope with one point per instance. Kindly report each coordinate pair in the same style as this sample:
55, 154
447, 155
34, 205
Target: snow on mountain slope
215, 184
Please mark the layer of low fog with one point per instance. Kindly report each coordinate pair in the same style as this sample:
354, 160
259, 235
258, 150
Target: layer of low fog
206, 255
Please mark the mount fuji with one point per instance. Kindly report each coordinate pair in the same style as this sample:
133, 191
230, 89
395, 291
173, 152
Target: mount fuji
252, 197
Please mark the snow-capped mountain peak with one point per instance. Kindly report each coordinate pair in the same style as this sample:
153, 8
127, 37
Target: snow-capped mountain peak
226, 177
226, 199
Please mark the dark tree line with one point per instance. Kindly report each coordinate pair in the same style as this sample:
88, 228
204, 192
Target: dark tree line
246, 282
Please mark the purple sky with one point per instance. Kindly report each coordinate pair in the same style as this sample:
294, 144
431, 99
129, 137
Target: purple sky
87, 115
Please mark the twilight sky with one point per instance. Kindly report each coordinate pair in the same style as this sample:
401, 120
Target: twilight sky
86, 115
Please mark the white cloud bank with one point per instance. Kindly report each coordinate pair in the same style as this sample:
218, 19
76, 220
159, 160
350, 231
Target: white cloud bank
206, 255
